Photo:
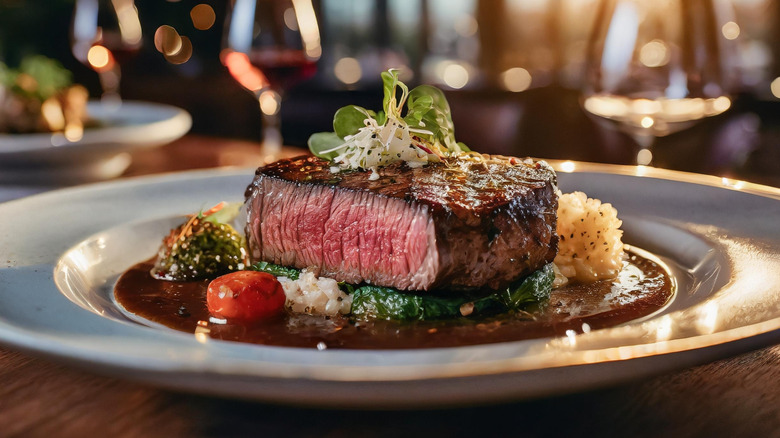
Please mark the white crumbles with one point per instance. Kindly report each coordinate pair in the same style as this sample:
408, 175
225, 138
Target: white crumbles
315, 295
590, 246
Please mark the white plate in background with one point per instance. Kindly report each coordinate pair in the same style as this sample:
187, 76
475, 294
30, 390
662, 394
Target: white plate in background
102, 152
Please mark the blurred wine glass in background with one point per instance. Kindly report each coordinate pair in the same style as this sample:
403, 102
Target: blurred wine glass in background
656, 67
104, 34
270, 46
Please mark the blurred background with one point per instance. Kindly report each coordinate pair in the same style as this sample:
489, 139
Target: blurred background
512, 71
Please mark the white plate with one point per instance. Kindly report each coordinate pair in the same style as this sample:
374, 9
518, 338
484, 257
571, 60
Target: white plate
102, 151
60, 253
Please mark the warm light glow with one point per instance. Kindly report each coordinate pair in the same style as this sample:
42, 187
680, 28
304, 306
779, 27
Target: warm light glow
774, 87
663, 332
721, 104
202, 332
568, 166
646, 106
571, 336
654, 54
270, 102
310, 31
129, 23
733, 183
647, 122
516, 79
708, 318
203, 16
243, 71
455, 76
52, 113
74, 131
606, 106
100, 58
348, 70
730, 30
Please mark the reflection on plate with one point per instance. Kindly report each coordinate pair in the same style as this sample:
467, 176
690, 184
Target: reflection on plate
102, 151
726, 261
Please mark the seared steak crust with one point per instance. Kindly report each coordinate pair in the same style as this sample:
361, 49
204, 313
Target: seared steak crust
462, 223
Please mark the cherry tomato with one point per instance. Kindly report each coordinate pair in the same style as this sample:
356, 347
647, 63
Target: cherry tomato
245, 295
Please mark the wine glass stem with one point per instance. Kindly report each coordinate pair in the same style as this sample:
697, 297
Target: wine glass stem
109, 81
645, 141
270, 107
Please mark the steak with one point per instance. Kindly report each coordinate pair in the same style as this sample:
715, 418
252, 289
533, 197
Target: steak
460, 224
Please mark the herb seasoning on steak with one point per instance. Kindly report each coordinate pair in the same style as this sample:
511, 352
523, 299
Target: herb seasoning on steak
464, 223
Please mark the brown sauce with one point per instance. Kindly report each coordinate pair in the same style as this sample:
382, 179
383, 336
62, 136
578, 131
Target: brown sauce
642, 288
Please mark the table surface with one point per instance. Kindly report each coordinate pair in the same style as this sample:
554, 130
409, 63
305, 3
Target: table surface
738, 396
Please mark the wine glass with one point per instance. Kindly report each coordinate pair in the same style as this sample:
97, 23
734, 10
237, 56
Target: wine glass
270, 46
105, 33
656, 67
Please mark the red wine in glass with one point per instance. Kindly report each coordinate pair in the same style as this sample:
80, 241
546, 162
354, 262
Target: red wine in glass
104, 34
284, 68
269, 47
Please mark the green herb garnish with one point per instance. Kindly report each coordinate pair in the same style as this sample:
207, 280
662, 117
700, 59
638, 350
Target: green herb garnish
37, 77
414, 126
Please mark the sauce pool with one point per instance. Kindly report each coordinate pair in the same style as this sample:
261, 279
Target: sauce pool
643, 287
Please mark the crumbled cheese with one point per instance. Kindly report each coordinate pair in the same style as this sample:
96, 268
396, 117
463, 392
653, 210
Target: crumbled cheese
315, 295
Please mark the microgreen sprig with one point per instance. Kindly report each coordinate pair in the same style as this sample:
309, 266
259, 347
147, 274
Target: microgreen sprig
364, 139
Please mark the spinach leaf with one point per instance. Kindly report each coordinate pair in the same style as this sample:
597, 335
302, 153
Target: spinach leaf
374, 302
533, 289
275, 270
321, 144
349, 119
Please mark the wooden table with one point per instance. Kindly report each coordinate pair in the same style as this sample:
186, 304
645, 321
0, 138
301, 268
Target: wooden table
738, 396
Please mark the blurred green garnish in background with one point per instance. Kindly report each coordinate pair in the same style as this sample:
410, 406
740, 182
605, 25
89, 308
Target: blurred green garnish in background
37, 77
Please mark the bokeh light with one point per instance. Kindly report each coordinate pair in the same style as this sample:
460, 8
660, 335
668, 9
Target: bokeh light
270, 102
455, 76
516, 79
348, 70
644, 157
183, 54
100, 58
654, 54
203, 16
730, 30
774, 87
466, 25
166, 40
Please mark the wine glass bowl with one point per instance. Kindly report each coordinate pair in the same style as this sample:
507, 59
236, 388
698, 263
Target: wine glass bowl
270, 46
104, 34
656, 67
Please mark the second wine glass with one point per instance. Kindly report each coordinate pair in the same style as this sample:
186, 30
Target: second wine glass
105, 33
270, 46
656, 67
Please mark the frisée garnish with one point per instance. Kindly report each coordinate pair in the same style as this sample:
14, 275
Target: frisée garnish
364, 139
